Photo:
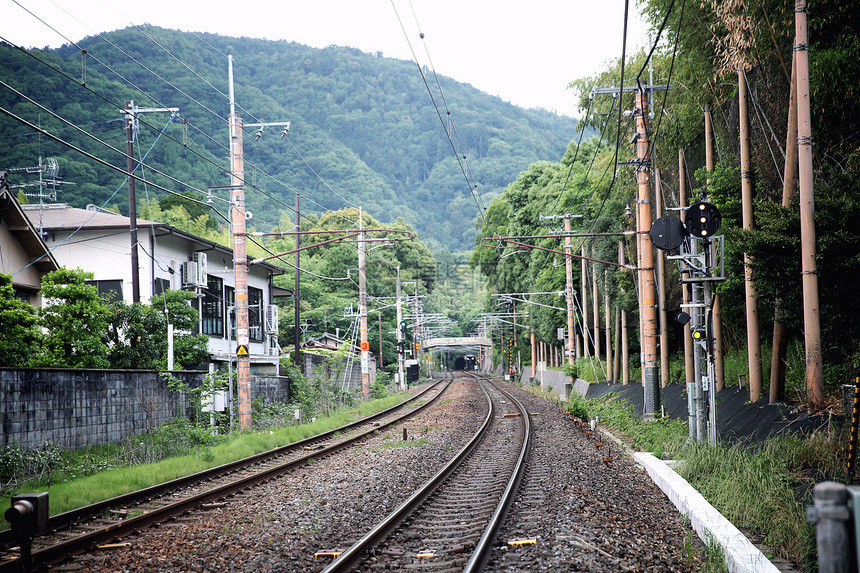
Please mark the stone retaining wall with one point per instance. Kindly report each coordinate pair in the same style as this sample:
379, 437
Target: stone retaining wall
73, 408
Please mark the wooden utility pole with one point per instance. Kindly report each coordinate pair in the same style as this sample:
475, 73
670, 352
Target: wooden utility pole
753, 339
568, 271
811, 319
661, 285
777, 360
131, 112
689, 367
132, 201
718, 324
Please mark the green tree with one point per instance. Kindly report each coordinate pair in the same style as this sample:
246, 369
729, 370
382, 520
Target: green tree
138, 333
19, 324
75, 319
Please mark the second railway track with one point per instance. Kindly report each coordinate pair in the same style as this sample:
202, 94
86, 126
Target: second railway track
105, 521
451, 521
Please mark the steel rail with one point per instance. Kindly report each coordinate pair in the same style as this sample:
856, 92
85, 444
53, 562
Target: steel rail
127, 526
352, 556
483, 549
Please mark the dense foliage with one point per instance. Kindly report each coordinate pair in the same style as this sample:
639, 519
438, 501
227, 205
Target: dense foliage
364, 123
77, 329
702, 51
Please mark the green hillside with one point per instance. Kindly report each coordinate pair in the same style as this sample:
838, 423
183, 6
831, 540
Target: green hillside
364, 129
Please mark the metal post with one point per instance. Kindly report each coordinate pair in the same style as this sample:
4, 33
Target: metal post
831, 516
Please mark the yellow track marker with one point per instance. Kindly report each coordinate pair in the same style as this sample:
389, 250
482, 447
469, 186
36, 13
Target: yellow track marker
426, 554
529, 541
114, 546
332, 554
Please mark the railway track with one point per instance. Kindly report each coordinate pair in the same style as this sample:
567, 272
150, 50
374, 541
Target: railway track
109, 520
450, 523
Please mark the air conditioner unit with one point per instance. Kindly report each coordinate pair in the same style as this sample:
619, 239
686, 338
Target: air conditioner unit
189, 274
202, 269
272, 319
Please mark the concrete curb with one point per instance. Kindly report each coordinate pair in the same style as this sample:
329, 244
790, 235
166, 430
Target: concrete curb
740, 554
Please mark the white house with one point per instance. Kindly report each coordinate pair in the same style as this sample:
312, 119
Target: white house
24, 255
99, 241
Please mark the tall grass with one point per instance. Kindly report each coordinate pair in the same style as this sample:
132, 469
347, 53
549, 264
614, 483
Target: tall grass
74, 493
763, 489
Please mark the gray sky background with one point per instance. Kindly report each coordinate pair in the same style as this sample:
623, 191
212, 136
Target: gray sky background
524, 52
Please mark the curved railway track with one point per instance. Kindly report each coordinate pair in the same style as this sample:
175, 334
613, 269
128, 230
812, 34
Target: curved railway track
106, 521
450, 523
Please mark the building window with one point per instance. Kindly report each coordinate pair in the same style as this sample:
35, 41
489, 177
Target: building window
112, 290
161, 286
255, 314
230, 303
212, 313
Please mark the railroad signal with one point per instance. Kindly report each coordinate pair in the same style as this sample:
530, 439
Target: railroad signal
703, 219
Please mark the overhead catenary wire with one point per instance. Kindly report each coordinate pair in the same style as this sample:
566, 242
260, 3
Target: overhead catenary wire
457, 156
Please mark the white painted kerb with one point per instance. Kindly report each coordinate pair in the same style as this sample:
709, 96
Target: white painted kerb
741, 556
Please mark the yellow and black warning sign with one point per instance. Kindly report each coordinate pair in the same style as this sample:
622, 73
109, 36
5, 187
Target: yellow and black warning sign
242, 350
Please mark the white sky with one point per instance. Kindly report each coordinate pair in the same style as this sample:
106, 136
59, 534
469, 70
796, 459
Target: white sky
524, 52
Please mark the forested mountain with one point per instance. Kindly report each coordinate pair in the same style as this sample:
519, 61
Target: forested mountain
364, 129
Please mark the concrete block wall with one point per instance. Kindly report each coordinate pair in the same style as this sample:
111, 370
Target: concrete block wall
74, 408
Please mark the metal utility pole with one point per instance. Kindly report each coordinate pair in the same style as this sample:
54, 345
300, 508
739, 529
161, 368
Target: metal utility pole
362, 311
297, 295
718, 324
131, 113
811, 319
661, 285
753, 338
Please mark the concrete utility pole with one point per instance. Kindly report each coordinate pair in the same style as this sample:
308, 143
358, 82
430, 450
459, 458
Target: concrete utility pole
131, 113
362, 311
753, 338
608, 332
568, 291
648, 308
583, 280
240, 259
689, 370
789, 181
401, 380
625, 349
811, 319
297, 295
240, 251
